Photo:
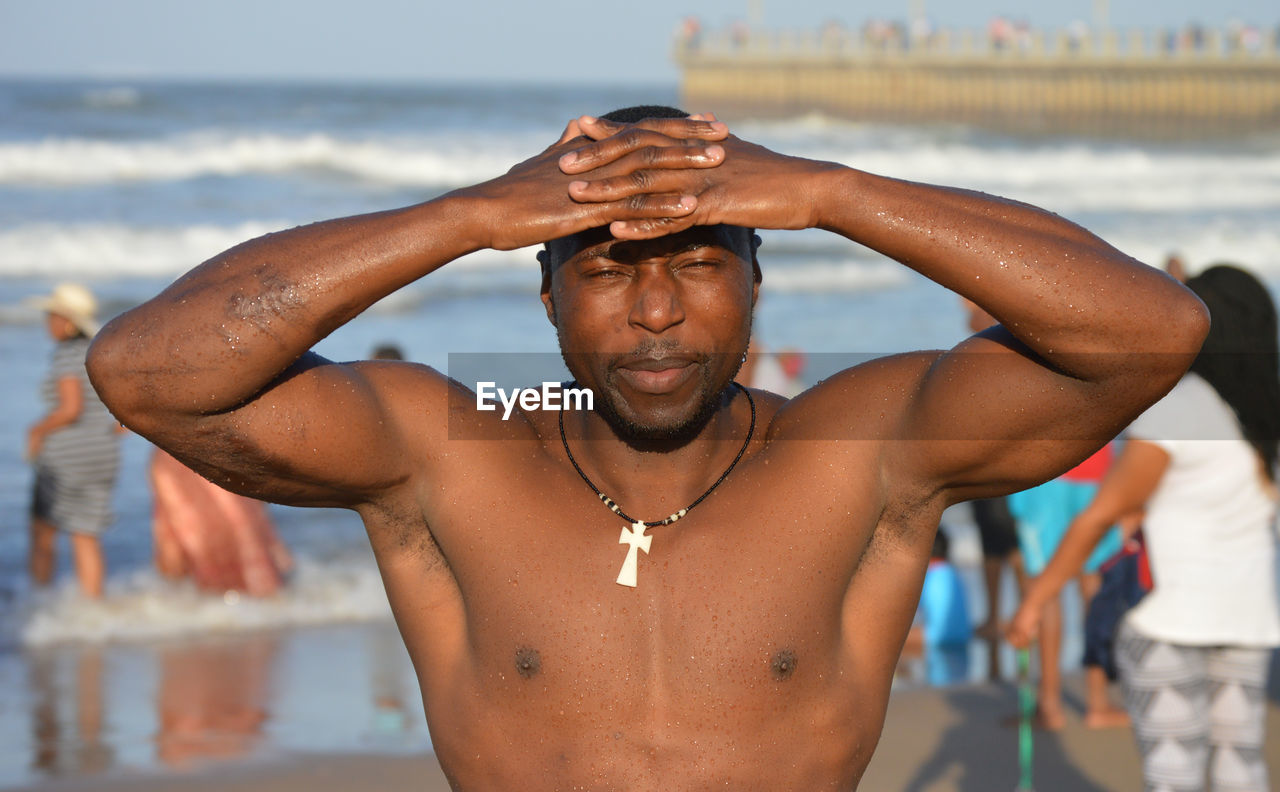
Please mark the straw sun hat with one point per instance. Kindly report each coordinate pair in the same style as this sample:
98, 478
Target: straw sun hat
74, 303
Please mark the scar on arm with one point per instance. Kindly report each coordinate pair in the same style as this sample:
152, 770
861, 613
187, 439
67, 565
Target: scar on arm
276, 297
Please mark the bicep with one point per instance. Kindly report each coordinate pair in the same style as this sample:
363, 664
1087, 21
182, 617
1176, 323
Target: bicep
990, 417
322, 434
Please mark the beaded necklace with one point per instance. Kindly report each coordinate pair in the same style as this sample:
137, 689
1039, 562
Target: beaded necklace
633, 535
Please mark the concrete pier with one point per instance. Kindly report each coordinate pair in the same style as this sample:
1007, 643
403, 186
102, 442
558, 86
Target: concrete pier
1147, 84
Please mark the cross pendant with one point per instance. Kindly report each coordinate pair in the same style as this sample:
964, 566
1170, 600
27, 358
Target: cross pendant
633, 535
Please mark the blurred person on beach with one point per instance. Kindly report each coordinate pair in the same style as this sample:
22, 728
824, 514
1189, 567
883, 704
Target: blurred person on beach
942, 630
749, 639
1041, 515
74, 447
223, 541
777, 372
1193, 653
998, 534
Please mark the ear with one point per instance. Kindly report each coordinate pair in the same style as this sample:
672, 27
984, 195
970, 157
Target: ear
544, 291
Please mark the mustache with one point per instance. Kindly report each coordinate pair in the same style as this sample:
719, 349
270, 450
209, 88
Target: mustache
659, 348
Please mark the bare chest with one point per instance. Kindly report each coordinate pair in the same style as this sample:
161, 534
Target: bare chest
735, 630
744, 584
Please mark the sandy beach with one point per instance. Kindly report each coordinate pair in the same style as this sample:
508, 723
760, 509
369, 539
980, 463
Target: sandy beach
935, 740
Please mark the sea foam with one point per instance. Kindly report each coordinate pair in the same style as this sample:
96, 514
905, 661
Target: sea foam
1062, 176
143, 606
103, 250
810, 262
80, 161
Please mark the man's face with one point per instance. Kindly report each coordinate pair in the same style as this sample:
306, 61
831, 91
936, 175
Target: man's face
657, 328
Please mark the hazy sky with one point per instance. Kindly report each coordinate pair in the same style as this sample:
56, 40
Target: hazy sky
555, 40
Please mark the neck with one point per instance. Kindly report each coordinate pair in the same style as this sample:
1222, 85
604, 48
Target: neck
652, 480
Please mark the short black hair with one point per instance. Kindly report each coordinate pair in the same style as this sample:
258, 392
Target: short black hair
632, 115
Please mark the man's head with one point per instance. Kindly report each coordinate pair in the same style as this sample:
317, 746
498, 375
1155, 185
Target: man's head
657, 328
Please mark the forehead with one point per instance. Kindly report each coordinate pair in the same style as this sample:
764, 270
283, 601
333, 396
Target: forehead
598, 242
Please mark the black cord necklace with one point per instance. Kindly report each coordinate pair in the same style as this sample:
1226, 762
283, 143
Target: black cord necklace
634, 534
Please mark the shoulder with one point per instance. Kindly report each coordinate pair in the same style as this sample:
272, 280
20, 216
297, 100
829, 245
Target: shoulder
866, 401
428, 404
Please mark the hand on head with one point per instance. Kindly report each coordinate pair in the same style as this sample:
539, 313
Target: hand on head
532, 202
728, 180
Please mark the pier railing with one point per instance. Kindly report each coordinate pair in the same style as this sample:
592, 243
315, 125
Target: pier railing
1143, 82
1141, 44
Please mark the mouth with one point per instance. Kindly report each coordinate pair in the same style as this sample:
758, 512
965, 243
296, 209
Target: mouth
656, 375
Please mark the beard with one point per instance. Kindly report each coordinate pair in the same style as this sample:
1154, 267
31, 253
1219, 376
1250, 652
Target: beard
662, 432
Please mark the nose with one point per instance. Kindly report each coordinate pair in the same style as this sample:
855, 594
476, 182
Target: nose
656, 306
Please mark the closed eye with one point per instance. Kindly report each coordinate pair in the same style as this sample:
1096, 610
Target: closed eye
698, 264
605, 273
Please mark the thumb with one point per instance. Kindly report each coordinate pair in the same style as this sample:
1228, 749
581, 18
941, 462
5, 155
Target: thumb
571, 131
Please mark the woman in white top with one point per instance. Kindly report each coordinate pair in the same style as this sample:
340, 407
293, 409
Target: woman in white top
1193, 654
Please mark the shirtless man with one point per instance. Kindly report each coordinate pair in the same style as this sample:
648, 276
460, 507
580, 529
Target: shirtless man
756, 649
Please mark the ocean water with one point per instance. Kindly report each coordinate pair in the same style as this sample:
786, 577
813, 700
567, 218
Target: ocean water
126, 185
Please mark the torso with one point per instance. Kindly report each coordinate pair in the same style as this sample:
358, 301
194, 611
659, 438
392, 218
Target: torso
755, 653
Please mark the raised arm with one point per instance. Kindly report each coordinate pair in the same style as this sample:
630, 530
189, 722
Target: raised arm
216, 369
1090, 337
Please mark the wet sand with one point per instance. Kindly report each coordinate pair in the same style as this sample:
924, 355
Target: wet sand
955, 740
935, 740
336, 708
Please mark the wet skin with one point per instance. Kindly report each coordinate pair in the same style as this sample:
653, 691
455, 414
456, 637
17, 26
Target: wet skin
757, 649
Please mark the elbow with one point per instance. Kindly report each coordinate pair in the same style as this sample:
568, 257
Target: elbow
1188, 327
1176, 325
113, 377
1193, 321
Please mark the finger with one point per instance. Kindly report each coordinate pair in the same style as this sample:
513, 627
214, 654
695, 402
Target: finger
659, 172
691, 127
639, 217
649, 206
650, 228
571, 131
654, 149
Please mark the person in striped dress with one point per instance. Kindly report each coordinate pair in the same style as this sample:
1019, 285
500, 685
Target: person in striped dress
74, 447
